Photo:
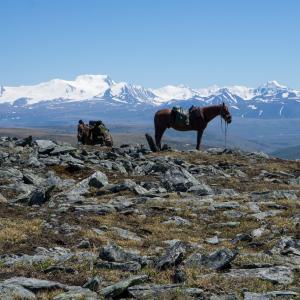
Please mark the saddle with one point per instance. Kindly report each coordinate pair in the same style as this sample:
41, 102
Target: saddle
179, 116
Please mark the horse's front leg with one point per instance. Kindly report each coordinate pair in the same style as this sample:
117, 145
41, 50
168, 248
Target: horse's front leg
199, 138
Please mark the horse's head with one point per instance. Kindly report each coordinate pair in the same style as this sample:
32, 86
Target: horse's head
225, 114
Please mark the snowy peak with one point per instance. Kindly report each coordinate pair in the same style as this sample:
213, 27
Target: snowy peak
102, 87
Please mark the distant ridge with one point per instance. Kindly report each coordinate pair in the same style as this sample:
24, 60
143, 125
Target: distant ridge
270, 100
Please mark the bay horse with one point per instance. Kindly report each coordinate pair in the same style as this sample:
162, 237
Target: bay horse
199, 118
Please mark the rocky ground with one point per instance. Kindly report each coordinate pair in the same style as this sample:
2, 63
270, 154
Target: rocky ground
93, 223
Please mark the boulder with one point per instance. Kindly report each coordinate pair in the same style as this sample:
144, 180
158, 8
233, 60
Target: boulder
173, 256
117, 289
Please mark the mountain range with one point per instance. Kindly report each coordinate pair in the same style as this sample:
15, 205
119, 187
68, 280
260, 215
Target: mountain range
99, 93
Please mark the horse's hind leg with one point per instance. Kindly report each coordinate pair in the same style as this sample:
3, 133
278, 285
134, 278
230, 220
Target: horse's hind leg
158, 135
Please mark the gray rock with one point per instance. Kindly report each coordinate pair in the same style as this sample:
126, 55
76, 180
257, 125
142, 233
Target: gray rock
270, 295
77, 294
270, 195
129, 185
157, 291
34, 284
2, 199
84, 244
99, 209
38, 197
98, 180
213, 240
234, 214
201, 189
11, 173
173, 256
178, 179
224, 225
278, 274
45, 146
13, 291
114, 253
126, 234
62, 150
30, 178
120, 287
223, 297
225, 205
179, 276
177, 221
129, 266
24, 142
242, 237
93, 284
217, 260
33, 162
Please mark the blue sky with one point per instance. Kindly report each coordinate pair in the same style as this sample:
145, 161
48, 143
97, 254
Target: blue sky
152, 43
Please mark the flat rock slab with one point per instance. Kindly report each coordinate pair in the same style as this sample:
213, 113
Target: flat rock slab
14, 291
120, 287
62, 150
130, 266
77, 294
270, 295
278, 274
154, 291
34, 284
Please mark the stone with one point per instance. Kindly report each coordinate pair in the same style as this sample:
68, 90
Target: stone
225, 205
114, 253
45, 146
24, 142
117, 289
126, 234
178, 221
278, 274
201, 189
34, 284
218, 260
129, 185
273, 195
213, 240
224, 225
93, 284
2, 199
14, 291
224, 297
242, 237
173, 256
84, 244
270, 295
77, 294
38, 197
98, 180
129, 266
179, 276
163, 291
62, 150
178, 179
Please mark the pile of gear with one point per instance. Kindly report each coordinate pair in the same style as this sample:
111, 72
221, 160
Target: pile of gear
95, 133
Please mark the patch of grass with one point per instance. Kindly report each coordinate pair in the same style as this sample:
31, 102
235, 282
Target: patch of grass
18, 230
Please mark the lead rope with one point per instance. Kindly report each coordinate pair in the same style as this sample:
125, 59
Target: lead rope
225, 136
225, 130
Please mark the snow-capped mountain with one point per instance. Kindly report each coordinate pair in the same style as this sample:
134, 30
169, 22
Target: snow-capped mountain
100, 94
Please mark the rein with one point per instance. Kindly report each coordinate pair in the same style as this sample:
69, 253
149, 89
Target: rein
225, 131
